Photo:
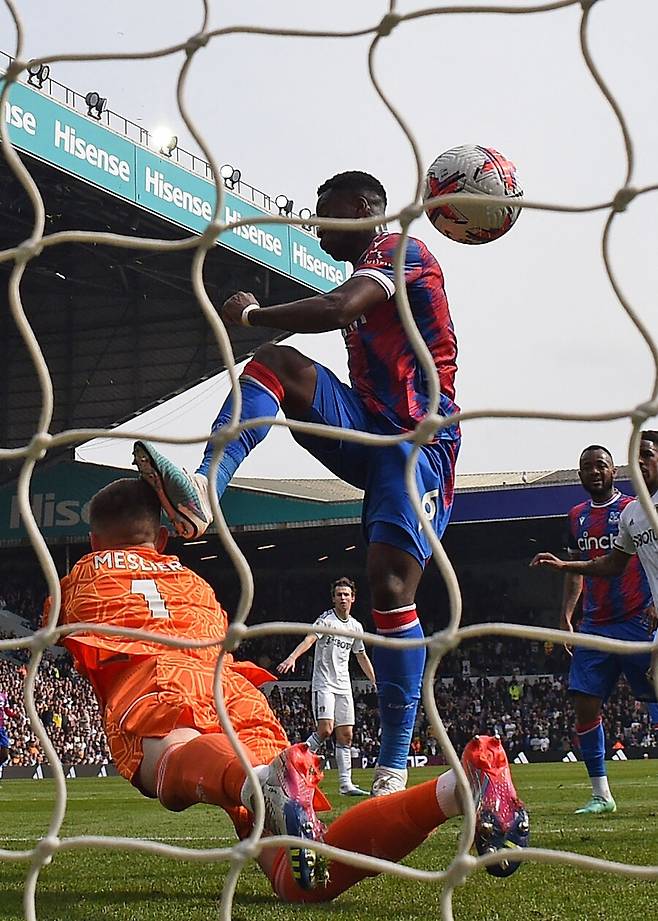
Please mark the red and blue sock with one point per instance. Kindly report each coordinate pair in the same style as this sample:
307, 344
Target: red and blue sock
592, 746
399, 675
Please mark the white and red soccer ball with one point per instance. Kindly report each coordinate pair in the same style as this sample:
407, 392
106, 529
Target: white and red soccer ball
472, 170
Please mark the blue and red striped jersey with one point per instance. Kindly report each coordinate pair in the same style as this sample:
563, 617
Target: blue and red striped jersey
592, 529
383, 367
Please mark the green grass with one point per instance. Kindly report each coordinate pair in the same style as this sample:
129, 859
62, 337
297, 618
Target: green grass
93, 884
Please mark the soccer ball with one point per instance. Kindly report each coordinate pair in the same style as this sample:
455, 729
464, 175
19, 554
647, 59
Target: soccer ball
472, 170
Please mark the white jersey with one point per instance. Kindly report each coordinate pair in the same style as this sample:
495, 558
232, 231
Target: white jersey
636, 535
331, 670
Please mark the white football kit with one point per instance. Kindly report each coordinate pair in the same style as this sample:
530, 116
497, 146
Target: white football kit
636, 535
331, 687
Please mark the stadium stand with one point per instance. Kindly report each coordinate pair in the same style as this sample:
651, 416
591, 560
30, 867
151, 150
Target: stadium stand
531, 712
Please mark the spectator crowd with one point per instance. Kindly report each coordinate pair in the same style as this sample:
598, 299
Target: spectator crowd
67, 707
511, 687
531, 713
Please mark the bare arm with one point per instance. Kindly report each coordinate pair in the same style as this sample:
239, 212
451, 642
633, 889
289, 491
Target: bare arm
288, 665
318, 314
366, 666
571, 592
612, 564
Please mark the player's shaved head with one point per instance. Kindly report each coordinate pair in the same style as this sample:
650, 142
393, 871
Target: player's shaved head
356, 182
354, 195
125, 513
649, 435
596, 470
591, 448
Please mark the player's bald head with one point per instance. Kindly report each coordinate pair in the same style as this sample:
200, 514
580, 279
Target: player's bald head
125, 513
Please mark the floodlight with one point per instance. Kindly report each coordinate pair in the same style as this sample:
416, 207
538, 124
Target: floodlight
230, 175
306, 214
284, 204
39, 73
169, 146
95, 105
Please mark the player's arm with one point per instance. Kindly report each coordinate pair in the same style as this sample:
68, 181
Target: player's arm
604, 567
318, 314
366, 666
572, 587
288, 665
571, 592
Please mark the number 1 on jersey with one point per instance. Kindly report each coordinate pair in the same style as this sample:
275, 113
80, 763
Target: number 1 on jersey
149, 590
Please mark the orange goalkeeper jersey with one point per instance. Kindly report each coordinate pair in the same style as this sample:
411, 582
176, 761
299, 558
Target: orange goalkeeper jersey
139, 588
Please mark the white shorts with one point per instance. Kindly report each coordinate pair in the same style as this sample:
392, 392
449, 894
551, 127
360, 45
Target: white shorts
327, 705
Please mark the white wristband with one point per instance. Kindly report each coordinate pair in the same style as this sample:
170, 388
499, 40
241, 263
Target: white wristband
244, 317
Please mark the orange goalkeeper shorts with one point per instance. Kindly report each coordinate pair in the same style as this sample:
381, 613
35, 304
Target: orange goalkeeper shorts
175, 690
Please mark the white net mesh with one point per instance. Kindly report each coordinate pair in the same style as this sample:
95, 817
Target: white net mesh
462, 864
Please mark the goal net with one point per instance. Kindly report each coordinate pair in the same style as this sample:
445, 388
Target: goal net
19, 257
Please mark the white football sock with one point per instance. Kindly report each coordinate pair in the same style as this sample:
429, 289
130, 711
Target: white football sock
446, 794
261, 771
601, 787
344, 765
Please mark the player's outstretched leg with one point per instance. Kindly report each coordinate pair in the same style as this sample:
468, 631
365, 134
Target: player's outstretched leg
183, 495
501, 819
206, 769
288, 790
391, 827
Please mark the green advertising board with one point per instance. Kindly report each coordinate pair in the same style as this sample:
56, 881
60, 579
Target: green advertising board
60, 497
81, 146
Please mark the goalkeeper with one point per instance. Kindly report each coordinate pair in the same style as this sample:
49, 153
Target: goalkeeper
163, 731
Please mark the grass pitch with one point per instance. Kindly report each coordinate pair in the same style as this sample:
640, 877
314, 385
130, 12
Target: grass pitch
112, 886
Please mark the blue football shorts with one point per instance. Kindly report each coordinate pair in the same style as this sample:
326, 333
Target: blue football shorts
4, 739
388, 515
595, 672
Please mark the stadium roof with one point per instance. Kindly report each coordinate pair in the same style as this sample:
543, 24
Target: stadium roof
338, 491
61, 492
120, 328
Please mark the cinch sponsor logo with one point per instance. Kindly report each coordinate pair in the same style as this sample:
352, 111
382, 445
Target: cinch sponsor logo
586, 542
644, 537
17, 117
256, 235
51, 514
302, 257
156, 184
67, 140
